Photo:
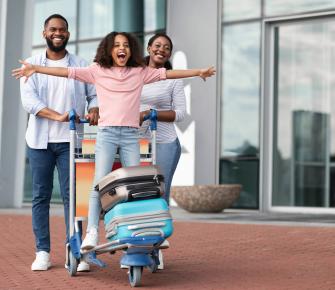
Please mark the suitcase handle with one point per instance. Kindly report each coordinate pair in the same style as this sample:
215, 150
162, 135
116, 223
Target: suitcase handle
143, 193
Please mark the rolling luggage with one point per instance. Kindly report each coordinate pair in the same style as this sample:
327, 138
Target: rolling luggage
150, 217
130, 184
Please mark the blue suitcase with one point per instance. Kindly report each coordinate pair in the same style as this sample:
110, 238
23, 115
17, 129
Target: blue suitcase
149, 217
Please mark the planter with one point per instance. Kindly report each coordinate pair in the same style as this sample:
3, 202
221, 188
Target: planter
206, 198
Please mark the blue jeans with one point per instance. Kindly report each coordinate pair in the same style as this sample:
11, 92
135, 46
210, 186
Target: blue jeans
168, 155
42, 163
109, 139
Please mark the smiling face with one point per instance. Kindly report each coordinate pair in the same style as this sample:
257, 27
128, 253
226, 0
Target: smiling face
159, 52
120, 51
56, 34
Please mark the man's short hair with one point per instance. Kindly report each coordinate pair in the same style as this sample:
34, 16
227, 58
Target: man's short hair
55, 16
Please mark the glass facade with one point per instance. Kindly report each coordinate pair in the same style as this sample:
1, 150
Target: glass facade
303, 170
89, 21
240, 106
284, 7
304, 109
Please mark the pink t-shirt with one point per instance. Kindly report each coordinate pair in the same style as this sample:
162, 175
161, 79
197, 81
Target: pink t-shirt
118, 90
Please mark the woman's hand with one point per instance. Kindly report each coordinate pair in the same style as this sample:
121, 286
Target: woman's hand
26, 70
205, 73
142, 114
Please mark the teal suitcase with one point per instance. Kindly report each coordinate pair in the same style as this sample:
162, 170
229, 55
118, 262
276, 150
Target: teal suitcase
149, 217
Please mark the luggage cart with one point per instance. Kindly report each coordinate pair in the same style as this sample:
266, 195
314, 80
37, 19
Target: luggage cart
139, 252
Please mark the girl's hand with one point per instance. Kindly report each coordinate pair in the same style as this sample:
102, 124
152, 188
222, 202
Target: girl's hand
26, 70
208, 72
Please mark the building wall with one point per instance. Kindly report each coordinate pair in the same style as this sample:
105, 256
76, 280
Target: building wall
193, 27
15, 42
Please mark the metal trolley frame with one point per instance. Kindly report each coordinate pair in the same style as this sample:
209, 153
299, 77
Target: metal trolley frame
146, 247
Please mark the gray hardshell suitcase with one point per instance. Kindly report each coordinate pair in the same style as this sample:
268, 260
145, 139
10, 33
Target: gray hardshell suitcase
129, 184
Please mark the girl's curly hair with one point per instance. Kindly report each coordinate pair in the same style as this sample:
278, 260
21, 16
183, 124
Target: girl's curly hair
104, 58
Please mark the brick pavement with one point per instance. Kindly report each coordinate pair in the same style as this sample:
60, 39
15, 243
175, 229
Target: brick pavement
202, 256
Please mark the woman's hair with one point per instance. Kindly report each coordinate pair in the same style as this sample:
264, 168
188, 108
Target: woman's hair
104, 58
167, 64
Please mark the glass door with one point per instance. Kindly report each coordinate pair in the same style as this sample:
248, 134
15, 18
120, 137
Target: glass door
303, 111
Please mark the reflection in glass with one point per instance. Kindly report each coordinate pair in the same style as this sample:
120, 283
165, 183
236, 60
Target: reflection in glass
154, 15
88, 50
240, 110
304, 139
281, 7
241, 10
44, 8
96, 18
240, 99
243, 171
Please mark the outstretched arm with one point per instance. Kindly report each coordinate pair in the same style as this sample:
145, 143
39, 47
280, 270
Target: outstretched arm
203, 73
28, 69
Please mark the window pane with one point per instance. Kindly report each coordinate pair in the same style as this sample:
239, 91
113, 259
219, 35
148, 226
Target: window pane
240, 10
239, 162
96, 18
154, 18
243, 171
304, 143
240, 99
281, 7
45, 8
88, 50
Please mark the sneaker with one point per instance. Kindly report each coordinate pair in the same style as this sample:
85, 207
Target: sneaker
165, 245
161, 263
83, 266
91, 240
124, 266
42, 261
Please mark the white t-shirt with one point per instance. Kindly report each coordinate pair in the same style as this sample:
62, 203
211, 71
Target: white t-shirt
60, 101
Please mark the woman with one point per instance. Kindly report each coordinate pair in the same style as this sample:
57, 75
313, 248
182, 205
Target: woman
168, 98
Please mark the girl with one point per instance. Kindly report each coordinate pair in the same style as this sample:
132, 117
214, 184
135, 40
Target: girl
119, 75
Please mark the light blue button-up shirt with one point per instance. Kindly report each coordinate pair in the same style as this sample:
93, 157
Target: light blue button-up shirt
34, 95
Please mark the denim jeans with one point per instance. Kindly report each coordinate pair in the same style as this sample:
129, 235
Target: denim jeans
42, 163
168, 155
109, 139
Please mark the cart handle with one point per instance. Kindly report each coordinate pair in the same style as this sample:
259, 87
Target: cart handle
152, 116
73, 119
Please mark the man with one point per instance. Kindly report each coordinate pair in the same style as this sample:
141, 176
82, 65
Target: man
48, 100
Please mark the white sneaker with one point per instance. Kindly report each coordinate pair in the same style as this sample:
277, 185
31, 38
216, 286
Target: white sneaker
124, 266
161, 263
165, 245
91, 240
42, 261
83, 266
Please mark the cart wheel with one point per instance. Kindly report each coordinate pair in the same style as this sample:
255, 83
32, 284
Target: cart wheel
135, 273
72, 269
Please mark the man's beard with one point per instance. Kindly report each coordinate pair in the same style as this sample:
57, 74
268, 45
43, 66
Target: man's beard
56, 48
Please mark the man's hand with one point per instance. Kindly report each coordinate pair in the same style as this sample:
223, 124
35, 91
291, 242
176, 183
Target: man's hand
63, 118
93, 116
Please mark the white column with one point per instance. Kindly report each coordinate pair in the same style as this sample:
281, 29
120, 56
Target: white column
15, 43
193, 26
